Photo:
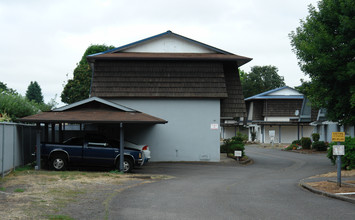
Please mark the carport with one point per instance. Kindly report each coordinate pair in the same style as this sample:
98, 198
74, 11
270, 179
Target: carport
93, 110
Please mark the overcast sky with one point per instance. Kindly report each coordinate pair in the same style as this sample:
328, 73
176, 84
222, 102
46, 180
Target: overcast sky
43, 40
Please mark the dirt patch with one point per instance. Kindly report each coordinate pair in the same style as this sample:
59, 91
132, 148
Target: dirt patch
64, 195
332, 187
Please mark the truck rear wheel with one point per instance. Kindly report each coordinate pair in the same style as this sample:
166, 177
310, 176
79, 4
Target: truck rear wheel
59, 162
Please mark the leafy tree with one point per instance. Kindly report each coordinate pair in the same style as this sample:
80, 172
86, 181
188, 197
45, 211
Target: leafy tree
242, 75
261, 79
78, 88
325, 47
34, 92
4, 88
15, 106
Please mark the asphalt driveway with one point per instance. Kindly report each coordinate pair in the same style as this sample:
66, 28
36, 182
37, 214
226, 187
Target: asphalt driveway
266, 189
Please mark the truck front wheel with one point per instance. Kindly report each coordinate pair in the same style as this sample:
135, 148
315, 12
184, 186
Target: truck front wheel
59, 162
127, 165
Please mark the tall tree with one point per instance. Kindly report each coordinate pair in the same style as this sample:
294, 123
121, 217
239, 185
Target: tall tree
3, 86
34, 92
78, 88
261, 79
325, 47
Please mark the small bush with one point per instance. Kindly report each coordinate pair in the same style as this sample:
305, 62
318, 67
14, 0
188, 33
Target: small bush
315, 136
236, 146
290, 147
306, 143
348, 160
319, 145
240, 138
298, 142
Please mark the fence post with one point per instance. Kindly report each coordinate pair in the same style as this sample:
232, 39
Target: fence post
3, 151
14, 147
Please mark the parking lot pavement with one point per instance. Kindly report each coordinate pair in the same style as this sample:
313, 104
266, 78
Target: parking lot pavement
266, 189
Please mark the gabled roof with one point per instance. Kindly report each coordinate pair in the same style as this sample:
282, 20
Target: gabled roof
274, 94
97, 99
93, 110
167, 33
125, 52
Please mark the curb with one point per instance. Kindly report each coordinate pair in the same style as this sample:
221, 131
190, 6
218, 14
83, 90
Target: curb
246, 161
303, 184
243, 162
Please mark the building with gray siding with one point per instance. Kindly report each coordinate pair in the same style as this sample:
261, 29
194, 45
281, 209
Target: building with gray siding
190, 84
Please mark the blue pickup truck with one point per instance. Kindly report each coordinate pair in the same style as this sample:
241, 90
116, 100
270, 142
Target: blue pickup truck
90, 150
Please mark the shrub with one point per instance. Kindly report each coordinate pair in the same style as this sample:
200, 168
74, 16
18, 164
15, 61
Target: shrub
319, 145
306, 142
348, 160
234, 143
298, 142
237, 146
240, 137
290, 147
315, 137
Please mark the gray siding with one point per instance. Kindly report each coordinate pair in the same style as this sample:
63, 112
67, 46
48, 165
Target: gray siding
186, 137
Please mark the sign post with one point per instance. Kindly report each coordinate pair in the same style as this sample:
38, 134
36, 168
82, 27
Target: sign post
338, 150
238, 154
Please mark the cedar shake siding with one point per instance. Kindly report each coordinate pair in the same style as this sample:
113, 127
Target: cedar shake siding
275, 108
281, 108
258, 110
171, 79
233, 105
158, 79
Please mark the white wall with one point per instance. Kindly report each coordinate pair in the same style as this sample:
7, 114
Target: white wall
186, 137
288, 133
168, 44
229, 132
276, 118
286, 91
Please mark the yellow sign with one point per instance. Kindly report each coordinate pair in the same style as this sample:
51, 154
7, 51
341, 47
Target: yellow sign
338, 136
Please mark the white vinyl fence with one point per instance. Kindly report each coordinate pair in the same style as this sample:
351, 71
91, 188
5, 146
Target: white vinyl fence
17, 143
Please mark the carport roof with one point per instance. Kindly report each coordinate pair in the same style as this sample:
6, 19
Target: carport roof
93, 110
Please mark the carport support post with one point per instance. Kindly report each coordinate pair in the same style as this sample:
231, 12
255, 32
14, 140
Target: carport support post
121, 147
38, 144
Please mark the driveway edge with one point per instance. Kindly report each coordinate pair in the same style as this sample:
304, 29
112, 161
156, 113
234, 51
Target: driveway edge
331, 195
